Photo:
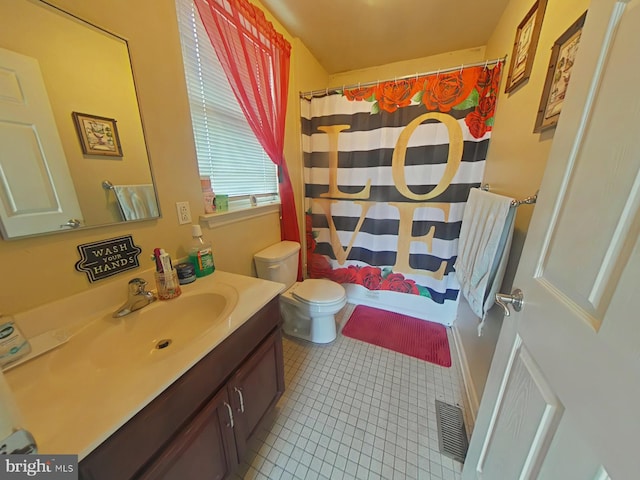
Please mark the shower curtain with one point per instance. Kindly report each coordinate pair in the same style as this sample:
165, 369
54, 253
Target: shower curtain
388, 170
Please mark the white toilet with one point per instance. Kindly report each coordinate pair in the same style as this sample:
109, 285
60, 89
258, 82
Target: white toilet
309, 307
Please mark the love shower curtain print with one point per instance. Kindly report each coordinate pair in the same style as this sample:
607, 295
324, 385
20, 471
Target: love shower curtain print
388, 170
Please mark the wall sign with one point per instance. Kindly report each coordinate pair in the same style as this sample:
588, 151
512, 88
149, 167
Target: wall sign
103, 259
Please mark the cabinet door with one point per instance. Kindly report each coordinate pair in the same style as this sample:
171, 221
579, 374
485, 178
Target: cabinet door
256, 387
204, 449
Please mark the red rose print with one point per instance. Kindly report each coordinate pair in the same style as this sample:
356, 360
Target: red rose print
356, 94
311, 242
486, 107
308, 222
484, 78
345, 275
396, 94
476, 124
489, 79
369, 277
444, 91
397, 283
318, 266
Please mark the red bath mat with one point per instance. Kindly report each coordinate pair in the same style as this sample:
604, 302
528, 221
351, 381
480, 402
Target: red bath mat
408, 335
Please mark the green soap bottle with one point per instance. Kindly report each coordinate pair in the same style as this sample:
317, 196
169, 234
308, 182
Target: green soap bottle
200, 253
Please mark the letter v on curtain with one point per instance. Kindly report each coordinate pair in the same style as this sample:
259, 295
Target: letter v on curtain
255, 59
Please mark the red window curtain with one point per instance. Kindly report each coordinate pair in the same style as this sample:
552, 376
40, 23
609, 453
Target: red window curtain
255, 59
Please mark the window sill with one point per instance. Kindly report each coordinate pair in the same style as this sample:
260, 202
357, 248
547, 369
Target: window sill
218, 219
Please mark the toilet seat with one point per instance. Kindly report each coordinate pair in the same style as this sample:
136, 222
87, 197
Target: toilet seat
318, 291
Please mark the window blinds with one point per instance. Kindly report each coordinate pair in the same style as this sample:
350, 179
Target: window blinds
227, 150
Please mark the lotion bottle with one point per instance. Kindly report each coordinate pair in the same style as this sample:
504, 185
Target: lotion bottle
13, 344
200, 253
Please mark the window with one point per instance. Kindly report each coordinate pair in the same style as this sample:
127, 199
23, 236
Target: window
227, 150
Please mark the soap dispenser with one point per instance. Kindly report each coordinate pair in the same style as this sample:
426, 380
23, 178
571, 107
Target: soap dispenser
200, 253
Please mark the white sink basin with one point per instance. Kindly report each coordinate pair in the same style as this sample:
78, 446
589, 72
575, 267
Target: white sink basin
150, 334
75, 396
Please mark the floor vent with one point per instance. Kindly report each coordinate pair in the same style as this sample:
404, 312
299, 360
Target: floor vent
452, 435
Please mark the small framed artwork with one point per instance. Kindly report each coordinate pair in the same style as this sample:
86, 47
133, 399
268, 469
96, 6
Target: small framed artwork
98, 135
563, 54
524, 46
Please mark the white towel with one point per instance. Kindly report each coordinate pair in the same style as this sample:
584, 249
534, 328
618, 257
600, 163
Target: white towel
483, 248
136, 201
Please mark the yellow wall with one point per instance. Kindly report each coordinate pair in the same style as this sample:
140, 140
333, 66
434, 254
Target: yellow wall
307, 74
517, 156
38, 270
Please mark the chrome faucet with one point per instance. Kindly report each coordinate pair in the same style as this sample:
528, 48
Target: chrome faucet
138, 298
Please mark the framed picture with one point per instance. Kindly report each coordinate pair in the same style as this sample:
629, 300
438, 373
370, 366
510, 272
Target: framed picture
98, 135
524, 46
563, 54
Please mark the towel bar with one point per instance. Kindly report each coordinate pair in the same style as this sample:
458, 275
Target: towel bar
516, 203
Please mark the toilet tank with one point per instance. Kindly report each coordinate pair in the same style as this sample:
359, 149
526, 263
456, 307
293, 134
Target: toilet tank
278, 262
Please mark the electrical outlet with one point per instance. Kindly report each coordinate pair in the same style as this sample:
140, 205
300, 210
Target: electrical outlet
184, 212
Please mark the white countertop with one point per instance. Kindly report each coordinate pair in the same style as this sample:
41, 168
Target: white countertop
70, 405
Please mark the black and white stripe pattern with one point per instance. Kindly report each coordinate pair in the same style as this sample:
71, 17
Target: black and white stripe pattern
365, 153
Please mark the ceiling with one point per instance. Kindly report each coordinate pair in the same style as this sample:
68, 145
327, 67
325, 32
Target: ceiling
347, 35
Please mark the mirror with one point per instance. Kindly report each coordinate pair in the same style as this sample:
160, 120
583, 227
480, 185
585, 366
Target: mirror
72, 146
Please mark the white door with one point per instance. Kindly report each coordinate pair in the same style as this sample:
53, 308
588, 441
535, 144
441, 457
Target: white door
563, 395
36, 191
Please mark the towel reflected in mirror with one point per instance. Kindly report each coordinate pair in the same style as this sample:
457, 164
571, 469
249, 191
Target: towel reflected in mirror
136, 202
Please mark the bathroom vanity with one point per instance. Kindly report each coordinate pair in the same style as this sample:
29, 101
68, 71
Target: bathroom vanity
158, 413
200, 425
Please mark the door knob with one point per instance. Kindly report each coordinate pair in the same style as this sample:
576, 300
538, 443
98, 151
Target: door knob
516, 299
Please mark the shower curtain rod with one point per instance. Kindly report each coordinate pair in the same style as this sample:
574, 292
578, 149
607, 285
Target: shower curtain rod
326, 91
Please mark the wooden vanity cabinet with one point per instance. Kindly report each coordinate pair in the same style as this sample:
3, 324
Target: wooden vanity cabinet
205, 448
198, 428
255, 388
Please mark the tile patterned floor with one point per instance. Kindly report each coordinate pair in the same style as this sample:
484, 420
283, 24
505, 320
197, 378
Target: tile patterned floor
352, 410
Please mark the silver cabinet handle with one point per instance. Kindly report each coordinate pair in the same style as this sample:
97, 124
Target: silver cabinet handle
230, 425
239, 392
71, 223
516, 299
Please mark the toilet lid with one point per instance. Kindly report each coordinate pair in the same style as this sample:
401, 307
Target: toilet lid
318, 291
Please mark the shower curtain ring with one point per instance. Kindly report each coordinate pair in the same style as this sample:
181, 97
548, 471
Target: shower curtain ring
486, 62
461, 67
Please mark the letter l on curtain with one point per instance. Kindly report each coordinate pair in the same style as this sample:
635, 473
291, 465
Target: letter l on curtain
255, 59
